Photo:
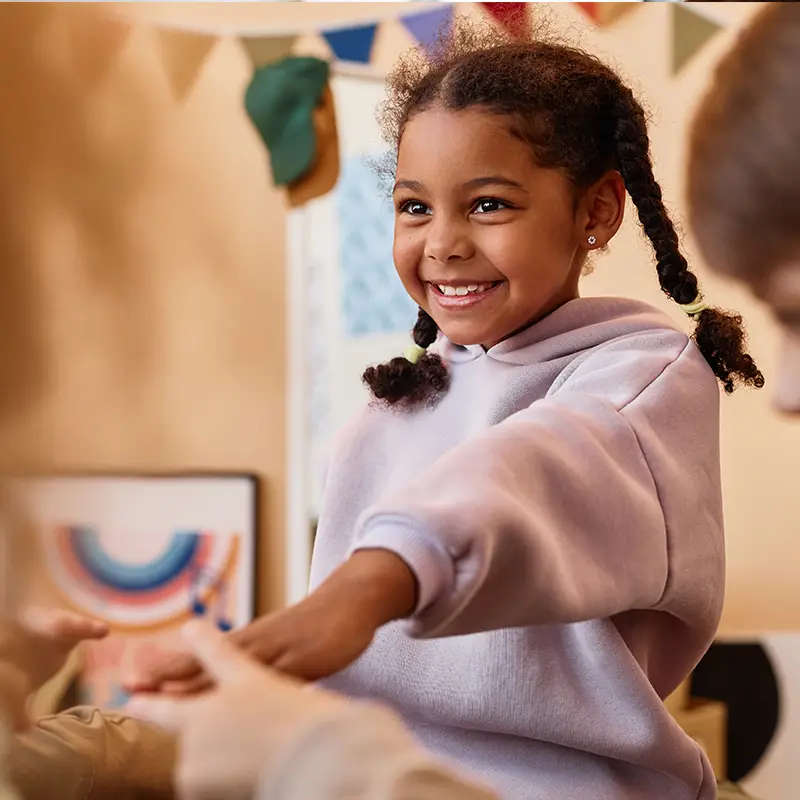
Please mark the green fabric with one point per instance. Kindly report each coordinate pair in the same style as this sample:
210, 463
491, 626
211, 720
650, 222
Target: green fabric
280, 101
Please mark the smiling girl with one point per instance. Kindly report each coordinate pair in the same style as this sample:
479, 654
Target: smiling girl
521, 543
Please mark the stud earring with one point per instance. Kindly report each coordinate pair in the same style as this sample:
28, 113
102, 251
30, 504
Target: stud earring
592, 240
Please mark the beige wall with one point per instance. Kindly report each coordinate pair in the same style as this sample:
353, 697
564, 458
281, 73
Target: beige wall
141, 250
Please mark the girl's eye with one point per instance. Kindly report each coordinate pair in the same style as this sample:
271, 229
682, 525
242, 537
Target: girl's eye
486, 205
415, 208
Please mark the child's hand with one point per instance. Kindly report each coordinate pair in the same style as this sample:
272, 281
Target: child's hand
228, 736
315, 638
310, 640
33, 650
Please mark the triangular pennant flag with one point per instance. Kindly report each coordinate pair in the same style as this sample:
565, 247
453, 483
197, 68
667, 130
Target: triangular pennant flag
690, 31
182, 56
96, 41
512, 16
352, 44
264, 50
606, 13
427, 27
592, 10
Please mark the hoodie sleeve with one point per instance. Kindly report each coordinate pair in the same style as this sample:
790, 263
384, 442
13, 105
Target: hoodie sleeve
600, 498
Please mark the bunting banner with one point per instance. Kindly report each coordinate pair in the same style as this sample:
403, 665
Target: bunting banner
289, 99
429, 26
691, 31
97, 40
514, 17
263, 50
182, 56
352, 44
606, 13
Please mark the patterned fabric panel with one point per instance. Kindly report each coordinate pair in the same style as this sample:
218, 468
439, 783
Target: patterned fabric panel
373, 299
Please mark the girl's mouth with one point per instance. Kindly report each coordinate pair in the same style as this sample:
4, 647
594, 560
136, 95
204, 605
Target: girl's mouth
462, 290
462, 295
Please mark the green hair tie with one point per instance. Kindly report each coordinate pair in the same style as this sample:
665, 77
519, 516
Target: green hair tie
693, 309
414, 353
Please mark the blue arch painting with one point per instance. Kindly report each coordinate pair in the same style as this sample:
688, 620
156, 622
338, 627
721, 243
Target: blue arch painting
177, 556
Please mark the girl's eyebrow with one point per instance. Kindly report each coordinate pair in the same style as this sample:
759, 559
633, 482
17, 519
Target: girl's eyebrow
475, 183
494, 180
413, 186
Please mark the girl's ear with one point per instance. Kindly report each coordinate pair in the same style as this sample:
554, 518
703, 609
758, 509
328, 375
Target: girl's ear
601, 211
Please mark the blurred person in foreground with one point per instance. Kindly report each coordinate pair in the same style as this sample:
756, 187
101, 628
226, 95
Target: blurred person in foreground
79, 754
258, 729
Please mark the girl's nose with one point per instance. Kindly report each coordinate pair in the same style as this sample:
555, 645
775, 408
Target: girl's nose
448, 241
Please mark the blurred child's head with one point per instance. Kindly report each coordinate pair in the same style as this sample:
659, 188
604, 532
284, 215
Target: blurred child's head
744, 174
513, 162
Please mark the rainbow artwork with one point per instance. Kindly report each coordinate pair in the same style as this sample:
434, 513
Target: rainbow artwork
145, 555
188, 577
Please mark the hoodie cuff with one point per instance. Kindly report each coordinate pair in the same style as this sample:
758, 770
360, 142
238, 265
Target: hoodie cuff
425, 556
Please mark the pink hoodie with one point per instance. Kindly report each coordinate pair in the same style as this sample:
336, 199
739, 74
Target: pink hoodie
561, 509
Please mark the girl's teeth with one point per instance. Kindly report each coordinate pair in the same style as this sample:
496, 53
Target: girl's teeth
460, 291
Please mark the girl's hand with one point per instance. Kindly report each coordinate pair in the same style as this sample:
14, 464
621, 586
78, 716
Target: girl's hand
226, 737
317, 637
33, 649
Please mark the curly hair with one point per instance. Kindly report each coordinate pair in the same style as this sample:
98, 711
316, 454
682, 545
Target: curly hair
577, 116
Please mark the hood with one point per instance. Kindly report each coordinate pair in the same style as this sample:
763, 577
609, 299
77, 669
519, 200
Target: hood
573, 328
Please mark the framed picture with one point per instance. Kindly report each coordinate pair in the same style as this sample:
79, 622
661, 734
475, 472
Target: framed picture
145, 553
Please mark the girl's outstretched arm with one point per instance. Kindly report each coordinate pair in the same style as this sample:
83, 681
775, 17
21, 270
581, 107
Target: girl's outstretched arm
602, 497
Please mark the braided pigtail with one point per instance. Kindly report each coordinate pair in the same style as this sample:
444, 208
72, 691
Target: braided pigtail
415, 378
719, 334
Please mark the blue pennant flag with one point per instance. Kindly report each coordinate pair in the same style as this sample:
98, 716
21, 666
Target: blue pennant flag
427, 26
352, 44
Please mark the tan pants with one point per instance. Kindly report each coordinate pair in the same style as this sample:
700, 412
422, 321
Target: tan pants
83, 754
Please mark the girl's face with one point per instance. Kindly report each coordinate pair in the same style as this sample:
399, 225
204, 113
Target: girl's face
486, 241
